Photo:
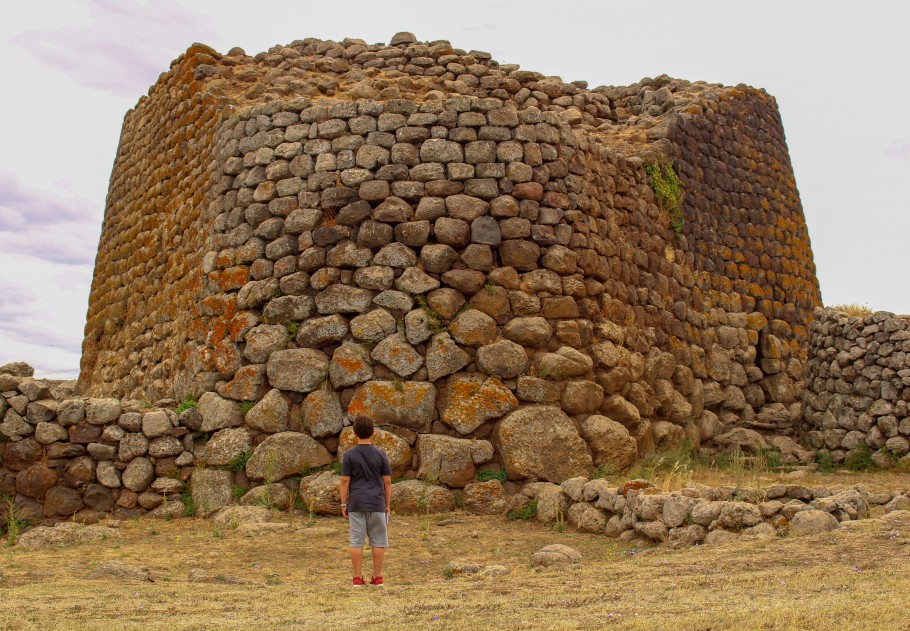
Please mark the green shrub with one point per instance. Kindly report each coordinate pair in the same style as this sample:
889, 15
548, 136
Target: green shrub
668, 193
860, 459
189, 402
528, 512
246, 406
238, 462
824, 460
293, 329
186, 497
492, 474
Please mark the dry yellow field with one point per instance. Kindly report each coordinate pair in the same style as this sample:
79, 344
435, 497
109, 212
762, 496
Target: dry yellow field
296, 576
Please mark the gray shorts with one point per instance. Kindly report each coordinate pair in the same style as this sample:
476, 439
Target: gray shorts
370, 525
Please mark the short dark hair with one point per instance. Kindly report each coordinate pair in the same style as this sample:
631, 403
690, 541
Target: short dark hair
363, 427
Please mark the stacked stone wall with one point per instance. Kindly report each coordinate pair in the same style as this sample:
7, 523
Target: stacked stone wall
459, 249
144, 319
857, 392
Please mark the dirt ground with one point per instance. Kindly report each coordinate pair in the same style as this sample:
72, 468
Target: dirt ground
193, 574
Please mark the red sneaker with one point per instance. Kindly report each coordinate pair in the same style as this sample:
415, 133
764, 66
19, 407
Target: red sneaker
376, 582
358, 582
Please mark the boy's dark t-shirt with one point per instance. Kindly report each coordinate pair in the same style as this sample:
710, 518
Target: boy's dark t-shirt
366, 464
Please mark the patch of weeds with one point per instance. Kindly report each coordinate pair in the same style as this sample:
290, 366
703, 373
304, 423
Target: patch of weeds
238, 462
854, 310
189, 402
186, 497
492, 474
204, 437
397, 383
293, 329
336, 467
145, 403
490, 287
153, 531
860, 459
560, 522
824, 460
246, 406
11, 522
272, 579
435, 322
447, 571
603, 471
238, 492
668, 193
217, 532
297, 502
459, 501
528, 512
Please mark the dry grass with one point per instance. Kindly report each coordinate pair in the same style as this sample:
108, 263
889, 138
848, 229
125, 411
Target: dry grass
855, 310
298, 578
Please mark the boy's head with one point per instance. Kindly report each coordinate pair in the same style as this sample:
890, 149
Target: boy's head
363, 427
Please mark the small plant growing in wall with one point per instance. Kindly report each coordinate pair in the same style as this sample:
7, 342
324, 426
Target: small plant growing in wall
668, 193
188, 402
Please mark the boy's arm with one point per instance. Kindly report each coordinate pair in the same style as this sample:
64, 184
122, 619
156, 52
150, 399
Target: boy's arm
343, 492
387, 483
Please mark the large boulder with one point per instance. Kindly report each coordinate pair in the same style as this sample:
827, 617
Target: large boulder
36, 480
320, 493
350, 365
485, 498
322, 413
444, 357
270, 415
139, 473
540, 441
409, 404
211, 490
468, 400
297, 369
226, 445
811, 522
285, 454
415, 497
504, 359
610, 442
451, 461
395, 447
564, 364
218, 413
556, 554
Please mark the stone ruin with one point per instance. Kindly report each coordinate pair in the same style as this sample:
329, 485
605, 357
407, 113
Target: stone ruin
470, 253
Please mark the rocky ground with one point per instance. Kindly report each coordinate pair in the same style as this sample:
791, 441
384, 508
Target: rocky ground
251, 568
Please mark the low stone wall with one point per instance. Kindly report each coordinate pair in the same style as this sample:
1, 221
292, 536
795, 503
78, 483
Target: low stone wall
857, 386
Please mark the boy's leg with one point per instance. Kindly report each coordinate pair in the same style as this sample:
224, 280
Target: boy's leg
379, 540
357, 560
357, 534
378, 558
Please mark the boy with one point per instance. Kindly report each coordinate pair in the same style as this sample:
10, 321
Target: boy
366, 498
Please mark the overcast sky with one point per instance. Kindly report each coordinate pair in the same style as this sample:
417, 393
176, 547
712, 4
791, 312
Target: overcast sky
72, 68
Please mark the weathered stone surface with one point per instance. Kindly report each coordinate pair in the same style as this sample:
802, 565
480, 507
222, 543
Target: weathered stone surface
467, 401
226, 445
65, 533
533, 331
580, 397
211, 490
268, 496
320, 493
413, 281
269, 415
450, 461
503, 359
609, 441
298, 370
218, 413
395, 447
556, 554
586, 517
350, 365
35, 481
811, 521
564, 364
285, 454
264, 340
138, 474
541, 441
319, 332
473, 328
414, 497
343, 299
409, 404
47, 433
485, 498
373, 326
60, 501
108, 475
399, 356
155, 424
322, 413
102, 411
444, 357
